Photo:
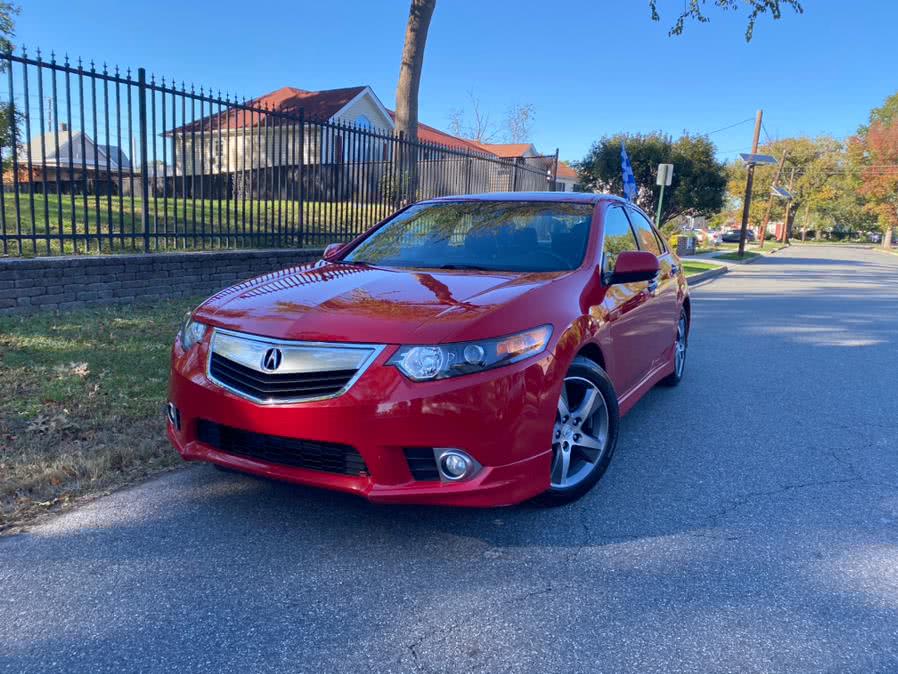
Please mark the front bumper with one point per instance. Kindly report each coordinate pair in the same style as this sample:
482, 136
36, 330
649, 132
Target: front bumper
503, 418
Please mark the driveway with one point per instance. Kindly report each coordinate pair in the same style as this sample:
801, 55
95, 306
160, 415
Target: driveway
749, 522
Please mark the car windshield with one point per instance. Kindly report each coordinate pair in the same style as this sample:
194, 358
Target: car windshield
526, 236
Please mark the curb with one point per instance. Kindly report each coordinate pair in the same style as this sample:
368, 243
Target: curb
695, 279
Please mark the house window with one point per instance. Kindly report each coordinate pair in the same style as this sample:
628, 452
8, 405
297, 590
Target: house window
217, 153
367, 149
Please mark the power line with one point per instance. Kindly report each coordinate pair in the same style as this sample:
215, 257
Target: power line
750, 119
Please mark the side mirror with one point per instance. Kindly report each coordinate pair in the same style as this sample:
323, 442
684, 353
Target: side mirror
332, 250
633, 266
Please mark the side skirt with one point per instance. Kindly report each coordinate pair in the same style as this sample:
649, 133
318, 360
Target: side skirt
629, 399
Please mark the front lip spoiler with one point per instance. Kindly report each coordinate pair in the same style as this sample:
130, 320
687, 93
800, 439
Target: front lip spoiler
376, 350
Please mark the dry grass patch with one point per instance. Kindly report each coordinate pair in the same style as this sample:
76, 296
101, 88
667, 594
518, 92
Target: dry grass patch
81, 398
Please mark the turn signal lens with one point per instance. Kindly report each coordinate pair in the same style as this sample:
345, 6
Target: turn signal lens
425, 363
521, 345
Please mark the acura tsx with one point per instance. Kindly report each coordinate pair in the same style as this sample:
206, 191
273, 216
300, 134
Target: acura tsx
474, 350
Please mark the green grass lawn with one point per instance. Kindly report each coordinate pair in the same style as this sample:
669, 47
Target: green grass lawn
691, 268
733, 256
770, 245
114, 224
81, 397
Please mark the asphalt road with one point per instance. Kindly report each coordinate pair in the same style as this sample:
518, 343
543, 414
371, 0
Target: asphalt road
749, 522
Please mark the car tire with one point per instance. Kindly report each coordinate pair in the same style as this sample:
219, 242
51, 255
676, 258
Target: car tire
602, 424
681, 344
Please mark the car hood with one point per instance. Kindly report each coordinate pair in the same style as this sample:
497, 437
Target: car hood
354, 303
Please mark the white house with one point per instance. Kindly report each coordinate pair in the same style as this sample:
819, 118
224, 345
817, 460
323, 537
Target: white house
238, 140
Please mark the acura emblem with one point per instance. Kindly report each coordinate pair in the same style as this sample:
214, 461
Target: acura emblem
271, 361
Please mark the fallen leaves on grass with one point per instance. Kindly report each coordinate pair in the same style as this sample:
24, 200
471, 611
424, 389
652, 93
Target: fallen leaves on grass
80, 400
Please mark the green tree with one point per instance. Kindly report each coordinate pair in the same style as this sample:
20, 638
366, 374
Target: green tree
699, 180
694, 10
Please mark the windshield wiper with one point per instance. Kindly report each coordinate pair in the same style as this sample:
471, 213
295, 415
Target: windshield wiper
473, 267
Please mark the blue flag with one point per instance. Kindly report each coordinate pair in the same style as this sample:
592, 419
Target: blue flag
628, 177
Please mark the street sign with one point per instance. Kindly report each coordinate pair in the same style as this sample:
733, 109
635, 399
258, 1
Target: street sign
781, 192
665, 175
758, 159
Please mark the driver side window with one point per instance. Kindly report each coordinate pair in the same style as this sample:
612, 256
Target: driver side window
618, 237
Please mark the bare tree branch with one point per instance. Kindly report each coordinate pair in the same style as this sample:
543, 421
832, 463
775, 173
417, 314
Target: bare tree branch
478, 125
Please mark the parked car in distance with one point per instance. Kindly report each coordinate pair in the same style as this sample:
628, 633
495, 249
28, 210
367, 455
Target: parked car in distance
475, 350
733, 236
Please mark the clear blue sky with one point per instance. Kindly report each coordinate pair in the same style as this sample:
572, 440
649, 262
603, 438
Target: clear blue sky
589, 68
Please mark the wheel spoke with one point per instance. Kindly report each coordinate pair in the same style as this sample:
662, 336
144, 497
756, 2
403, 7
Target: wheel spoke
586, 406
563, 410
561, 466
590, 442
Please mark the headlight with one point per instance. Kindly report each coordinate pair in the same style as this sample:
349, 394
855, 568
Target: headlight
425, 363
191, 332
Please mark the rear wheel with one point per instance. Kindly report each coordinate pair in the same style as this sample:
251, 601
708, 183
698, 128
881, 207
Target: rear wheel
681, 342
584, 434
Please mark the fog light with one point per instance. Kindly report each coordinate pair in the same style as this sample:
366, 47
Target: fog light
174, 416
456, 465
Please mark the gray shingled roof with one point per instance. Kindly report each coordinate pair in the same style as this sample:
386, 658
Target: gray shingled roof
70, 150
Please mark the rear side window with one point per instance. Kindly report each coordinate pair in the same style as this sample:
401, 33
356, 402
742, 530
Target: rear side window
645, 234
618, 236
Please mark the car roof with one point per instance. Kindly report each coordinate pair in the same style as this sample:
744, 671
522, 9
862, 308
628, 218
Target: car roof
573, 197
558, 197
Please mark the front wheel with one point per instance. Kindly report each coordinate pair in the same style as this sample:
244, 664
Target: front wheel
584, 434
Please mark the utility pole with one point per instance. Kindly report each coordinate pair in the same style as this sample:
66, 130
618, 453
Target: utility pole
746, 204
776, 178
788, 215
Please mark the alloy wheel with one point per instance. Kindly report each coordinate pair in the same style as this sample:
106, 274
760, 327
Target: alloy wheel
580, 434
680, 347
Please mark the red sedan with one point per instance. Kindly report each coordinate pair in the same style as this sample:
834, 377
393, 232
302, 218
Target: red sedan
474, 351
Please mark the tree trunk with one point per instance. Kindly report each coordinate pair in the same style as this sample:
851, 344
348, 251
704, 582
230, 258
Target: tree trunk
887, 238
419, 17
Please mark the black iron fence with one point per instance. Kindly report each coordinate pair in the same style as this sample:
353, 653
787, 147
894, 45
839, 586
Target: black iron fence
97, 160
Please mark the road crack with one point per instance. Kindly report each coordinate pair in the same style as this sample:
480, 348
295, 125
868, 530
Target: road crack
743, 499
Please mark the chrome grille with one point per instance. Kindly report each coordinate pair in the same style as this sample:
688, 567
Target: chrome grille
277, 371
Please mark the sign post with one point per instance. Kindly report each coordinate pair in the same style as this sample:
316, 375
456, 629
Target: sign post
665, 176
